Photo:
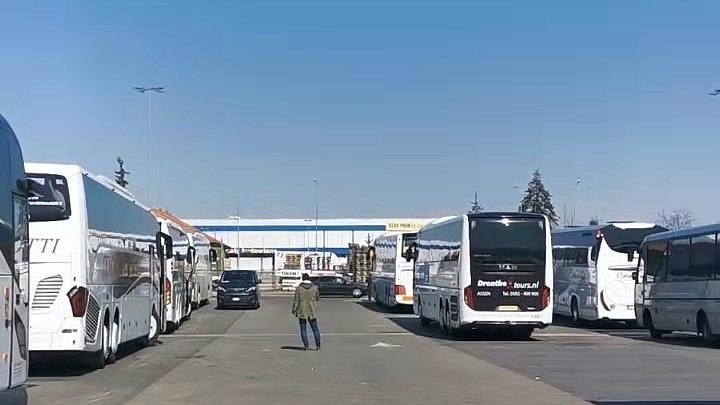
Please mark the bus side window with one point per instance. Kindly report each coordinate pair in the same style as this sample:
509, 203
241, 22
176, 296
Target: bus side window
594, 251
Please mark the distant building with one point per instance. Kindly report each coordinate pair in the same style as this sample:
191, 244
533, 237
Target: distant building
261, 240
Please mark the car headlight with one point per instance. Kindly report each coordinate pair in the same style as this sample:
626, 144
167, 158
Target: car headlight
251, 289
221, 289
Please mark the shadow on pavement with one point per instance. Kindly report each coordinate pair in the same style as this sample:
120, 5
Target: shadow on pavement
373, 306
63, 364
681, 402
15, 396
432, 331
296, 348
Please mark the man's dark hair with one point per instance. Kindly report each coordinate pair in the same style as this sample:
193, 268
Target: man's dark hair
305, 277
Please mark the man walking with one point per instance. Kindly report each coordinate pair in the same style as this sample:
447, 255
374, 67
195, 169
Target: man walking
305, 309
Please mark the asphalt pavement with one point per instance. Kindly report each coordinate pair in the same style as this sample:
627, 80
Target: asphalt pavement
372, 356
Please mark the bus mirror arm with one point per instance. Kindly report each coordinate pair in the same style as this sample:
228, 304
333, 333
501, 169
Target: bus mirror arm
631, 255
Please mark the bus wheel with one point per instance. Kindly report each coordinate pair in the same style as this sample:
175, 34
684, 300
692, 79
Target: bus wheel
522, 333
647, 320
423, 321
99, 358
704, 330
154, 328
575, 311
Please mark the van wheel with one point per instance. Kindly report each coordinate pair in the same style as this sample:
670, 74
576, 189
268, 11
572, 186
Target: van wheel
575, 311
654, 333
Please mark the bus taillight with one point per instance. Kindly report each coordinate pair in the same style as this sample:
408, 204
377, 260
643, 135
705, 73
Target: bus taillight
469, 297
78, 300
545, 298
168, 292
399, 290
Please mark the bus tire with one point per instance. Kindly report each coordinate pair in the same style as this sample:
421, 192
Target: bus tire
704, 329
522, 333
647, 320
423, 321
575, 311
154, 328
99, 358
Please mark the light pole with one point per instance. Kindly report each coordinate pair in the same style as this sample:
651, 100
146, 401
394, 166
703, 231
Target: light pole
149, 91
577, 185
307, 239
237, 230
317, 192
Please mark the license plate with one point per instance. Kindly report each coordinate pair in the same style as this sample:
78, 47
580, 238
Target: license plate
508, 308
236, 299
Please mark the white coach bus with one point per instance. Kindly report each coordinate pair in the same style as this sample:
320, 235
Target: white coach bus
488, 271
201, 269
13, 262
94, 266
392, 278
594, 267
177, 265
679, 282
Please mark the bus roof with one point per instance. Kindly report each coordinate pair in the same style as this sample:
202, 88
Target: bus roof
684, 233
68, 170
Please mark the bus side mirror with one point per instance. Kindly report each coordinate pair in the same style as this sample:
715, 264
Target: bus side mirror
162, 239
190, 255
213, 256
635, 275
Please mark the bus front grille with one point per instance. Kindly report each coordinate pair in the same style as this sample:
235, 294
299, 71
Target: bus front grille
92, 315
46, 292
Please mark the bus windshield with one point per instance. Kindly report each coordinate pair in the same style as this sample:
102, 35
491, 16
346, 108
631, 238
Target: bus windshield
49, 198
624, 240
507, 241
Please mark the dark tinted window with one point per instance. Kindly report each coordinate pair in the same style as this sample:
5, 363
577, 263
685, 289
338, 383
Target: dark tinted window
679, 268
623, 240
655, 262
327, 279
111, 212
241, 277
507, 240
702, 253
48, 197
574, 256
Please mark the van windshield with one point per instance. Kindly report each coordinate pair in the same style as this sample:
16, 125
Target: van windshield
49, 199
244, 278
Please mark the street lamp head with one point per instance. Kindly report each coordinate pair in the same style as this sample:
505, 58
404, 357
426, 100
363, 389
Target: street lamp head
316, 181
156, 89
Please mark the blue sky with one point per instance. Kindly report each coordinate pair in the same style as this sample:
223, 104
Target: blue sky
400, 108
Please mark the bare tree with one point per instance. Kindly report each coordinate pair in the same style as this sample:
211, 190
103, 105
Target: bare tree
679, 218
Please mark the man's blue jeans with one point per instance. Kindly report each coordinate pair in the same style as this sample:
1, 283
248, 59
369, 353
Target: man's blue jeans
315, 329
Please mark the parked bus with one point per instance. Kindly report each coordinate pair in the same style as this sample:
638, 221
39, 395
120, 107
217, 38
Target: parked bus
392, 279
202, 269
14, 245
593, 270
94, 264
678, 285
177, 306
488, 270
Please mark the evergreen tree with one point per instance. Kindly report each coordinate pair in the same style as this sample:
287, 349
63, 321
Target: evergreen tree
538, 200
